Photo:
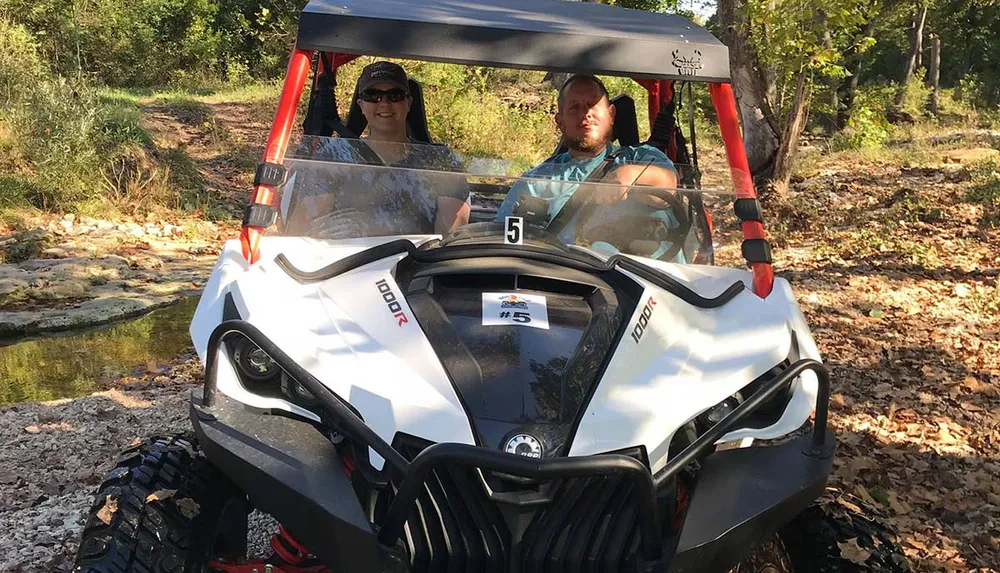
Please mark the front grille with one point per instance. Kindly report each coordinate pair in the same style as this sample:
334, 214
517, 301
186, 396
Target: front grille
588, 525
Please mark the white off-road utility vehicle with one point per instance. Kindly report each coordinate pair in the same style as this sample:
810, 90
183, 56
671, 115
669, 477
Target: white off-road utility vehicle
559, 385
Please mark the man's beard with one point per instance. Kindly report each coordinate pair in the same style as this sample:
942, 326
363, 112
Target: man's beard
590, 144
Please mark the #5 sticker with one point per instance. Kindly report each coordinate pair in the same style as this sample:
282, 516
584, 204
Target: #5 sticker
506, 308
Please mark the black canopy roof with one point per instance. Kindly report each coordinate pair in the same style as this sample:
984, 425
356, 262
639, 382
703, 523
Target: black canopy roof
550, 35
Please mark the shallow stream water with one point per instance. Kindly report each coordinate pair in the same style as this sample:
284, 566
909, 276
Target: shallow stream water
78, 363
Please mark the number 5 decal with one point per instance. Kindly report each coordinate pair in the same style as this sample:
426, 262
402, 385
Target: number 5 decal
513, 227
522, 317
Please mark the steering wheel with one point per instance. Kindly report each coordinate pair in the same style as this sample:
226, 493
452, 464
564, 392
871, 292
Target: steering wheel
641, 235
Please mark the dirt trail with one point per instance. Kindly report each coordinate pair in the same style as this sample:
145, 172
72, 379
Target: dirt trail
80, 271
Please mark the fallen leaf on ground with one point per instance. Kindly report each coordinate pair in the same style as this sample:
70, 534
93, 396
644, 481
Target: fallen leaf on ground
898, 505
32, 429
850, 551
161, 495
861, 492
109, 509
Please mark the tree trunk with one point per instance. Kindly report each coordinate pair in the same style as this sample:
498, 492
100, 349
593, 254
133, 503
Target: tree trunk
760, 127
916, 42
785, 158
934, 73
829, 119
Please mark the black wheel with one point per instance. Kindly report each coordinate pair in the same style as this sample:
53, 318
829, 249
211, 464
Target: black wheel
163, 509
810, 543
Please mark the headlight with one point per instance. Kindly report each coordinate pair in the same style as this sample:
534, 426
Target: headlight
291, 388
253, 362
717, 413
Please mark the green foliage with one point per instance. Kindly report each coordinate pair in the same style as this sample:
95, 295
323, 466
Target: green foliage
916, 96
256, 37
970, 33
867, 126
802, 43
647, 5
985, 190
20, 64
123, 42
61, 143
788, 34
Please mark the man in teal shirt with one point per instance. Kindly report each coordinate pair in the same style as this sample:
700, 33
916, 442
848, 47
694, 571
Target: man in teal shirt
585, 117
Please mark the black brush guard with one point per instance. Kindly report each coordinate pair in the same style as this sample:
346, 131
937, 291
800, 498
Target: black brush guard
228, 431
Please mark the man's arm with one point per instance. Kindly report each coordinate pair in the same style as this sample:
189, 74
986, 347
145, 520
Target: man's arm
644, 165
649, 175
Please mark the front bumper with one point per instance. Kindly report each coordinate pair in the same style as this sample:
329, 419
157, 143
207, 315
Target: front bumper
290, 470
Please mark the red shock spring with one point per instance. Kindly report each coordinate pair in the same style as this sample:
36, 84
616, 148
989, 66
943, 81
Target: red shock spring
291, 553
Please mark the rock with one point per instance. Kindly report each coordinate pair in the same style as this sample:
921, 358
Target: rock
970, 156
105, 225
64, 289
69, 217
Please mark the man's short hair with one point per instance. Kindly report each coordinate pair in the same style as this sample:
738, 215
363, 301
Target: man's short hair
582, 77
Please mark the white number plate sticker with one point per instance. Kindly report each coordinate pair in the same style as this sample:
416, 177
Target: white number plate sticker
503, 308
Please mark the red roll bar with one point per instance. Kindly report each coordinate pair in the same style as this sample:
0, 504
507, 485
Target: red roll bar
277, 142
725, 107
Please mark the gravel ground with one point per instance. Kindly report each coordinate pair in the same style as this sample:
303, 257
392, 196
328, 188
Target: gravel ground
54, 455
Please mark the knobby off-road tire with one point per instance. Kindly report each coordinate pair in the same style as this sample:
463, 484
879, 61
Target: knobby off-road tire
169, 512
809, 543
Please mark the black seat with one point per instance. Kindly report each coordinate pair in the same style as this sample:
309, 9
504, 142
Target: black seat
626, 128
416, 119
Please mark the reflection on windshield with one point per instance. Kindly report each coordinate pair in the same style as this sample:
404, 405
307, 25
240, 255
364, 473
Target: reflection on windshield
341, 188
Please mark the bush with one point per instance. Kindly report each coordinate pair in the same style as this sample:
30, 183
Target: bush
60, 143
867, 126
916, 96
20, 64
124, 42
985, 190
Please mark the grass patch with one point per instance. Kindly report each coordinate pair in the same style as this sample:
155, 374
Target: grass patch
985, 190
244, 157
185, 107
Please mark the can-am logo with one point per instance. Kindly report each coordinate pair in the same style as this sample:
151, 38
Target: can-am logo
512, 301
390, 300
640, 326
524, 445
687, 65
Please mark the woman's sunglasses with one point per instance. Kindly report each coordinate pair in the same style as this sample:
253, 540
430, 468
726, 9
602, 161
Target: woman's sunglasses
395, 95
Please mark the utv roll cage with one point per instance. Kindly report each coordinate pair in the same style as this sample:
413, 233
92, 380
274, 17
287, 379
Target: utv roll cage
656, 50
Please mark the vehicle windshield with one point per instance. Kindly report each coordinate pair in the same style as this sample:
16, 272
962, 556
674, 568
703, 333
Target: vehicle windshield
340, 188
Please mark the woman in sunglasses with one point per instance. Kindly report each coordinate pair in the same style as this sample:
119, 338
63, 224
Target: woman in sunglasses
385, 100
